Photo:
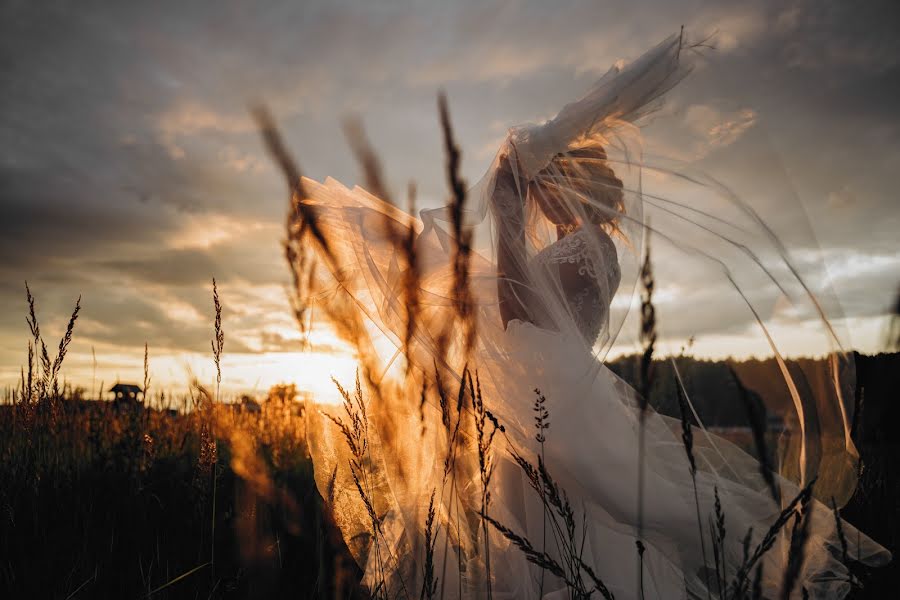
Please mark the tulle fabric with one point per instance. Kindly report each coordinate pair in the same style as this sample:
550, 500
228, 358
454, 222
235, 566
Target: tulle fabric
592, 452
592, 442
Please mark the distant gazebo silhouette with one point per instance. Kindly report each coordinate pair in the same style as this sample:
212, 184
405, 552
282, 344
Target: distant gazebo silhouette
125, 392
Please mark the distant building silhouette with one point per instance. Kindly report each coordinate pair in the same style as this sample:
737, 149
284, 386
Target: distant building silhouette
126, 393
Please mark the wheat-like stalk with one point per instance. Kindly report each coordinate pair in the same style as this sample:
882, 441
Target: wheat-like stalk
146, 371
797, 550
739, 584
429, 581
461, 234
648, 341
63, 347
218, 342
33, 346
756, 417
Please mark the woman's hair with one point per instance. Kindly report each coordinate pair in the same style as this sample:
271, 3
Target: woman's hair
580, 179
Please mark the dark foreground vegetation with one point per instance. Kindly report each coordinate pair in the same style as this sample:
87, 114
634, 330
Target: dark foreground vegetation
99, 500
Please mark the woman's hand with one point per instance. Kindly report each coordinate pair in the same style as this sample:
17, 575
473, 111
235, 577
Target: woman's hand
535, 146
508, 199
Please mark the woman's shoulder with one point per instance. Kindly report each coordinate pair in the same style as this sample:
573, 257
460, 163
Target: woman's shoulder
580, 244
597, 237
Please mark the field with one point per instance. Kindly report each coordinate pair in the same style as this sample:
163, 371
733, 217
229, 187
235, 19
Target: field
100, 500
105, 500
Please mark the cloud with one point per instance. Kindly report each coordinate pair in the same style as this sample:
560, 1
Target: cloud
129, 170
241, 162
191, 119
168, 267
206, 230
716, 129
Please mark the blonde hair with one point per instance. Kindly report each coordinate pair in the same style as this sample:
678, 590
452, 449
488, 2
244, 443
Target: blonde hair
583, 172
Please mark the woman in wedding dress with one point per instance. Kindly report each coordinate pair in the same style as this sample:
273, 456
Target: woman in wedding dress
506, 460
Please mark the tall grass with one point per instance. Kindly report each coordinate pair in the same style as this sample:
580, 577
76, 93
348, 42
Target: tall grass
99, 499
469, 418
51, 443
211, 488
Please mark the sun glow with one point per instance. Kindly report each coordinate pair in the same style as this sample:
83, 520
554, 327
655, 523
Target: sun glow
312, 372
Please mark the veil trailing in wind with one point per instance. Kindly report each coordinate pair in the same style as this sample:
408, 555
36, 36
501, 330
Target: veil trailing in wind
521, 285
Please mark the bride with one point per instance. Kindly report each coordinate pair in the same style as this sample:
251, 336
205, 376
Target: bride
493, 454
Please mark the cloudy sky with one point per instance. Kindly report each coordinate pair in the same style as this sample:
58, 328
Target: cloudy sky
130, 172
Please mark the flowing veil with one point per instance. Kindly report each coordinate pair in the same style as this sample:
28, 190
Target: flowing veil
485, 414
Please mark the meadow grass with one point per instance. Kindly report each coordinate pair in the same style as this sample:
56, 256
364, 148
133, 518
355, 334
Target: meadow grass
208, 500
105, 499
102, 500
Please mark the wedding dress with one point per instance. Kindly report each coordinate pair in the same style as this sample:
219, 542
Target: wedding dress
557, 232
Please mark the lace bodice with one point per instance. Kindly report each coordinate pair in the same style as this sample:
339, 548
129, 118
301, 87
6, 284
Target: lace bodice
589, 274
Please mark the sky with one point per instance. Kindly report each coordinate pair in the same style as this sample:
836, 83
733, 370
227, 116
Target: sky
131, 172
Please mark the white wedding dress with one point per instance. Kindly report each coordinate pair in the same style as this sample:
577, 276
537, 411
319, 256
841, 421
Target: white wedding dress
591, 446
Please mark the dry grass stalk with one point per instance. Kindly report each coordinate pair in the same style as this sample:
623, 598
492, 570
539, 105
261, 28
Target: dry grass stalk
45, 370
648, 341
739, 584
31, 319
217, 345
797, 550
560, 517
462, 252
41, 389
63, 347
571, 573
356, 435
337, 307
367, 158
218, 342
452, 415
839, 528
745, 544
687, 438
411, 279
402, 236
534, 556
718, 538
305, 238
486, 427
146, 371
648, 327
453, 432
302, 217
429, 581
687, 434
757, 583
756, 416
204, 415
541, 424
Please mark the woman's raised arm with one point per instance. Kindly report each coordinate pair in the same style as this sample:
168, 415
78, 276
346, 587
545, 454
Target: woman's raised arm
508, 207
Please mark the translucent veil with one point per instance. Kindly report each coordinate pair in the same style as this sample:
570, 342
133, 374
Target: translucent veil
547, 246
542, 180
713, 231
